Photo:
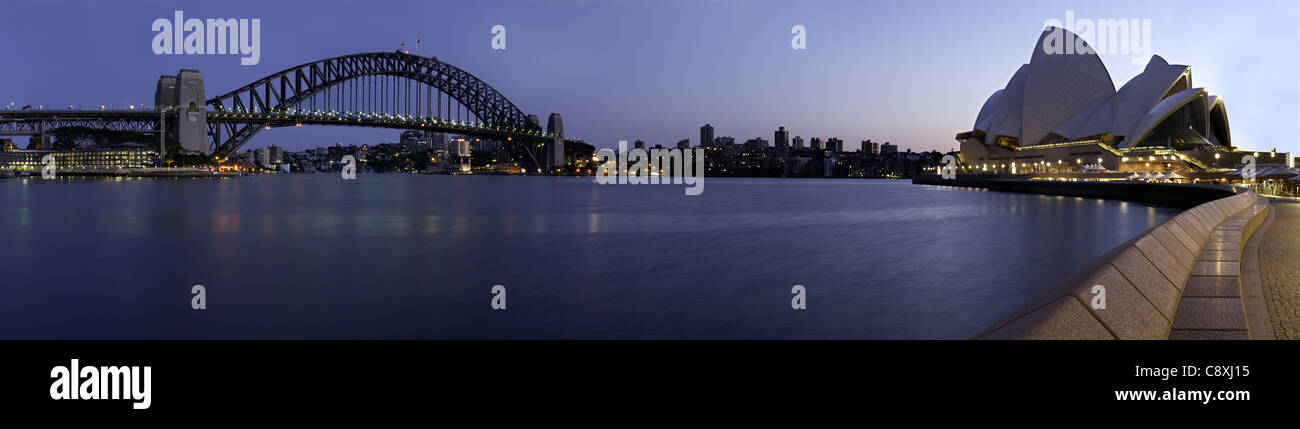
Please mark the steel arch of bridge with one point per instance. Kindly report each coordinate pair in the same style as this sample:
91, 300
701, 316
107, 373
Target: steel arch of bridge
292, 87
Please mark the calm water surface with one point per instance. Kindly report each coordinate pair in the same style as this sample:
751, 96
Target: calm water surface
410, 256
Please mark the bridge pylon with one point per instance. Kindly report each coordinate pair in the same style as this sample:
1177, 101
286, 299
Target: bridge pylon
185, 93
554, 152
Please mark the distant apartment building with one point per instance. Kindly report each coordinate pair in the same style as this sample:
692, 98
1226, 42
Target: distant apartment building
870, 147
835, 145
413, 141
276, 154
262, 157
706, 135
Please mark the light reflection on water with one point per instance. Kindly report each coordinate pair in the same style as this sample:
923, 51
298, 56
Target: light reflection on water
405, 256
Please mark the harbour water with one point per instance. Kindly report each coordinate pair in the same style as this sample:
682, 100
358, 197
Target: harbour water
415, 256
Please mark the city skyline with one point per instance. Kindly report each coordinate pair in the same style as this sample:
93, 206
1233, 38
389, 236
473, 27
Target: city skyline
873, 71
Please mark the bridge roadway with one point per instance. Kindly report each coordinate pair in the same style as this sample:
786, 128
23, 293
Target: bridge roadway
29, 122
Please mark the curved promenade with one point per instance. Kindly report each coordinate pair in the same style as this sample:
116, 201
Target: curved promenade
1179, 280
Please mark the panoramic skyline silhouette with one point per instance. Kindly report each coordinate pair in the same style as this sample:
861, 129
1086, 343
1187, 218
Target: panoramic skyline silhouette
656, 71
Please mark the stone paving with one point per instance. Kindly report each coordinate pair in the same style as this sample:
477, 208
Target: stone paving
1211, 306
1279, 260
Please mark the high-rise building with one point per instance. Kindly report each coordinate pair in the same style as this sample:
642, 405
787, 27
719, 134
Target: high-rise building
439, 142
263, 157
888, 149
835, 145
781, 138
798, 143
816, 143
684, 144
706, 135
276, 154
870, 147
639, 144
412, 140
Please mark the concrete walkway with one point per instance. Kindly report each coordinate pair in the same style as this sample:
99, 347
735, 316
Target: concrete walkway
1279, 261
1212, 306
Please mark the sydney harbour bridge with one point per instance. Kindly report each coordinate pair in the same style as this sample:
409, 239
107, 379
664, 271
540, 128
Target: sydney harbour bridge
380, 89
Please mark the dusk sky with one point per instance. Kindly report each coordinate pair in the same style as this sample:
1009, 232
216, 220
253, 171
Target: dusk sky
913, 73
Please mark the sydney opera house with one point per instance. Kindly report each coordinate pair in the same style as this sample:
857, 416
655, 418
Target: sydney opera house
1061, 113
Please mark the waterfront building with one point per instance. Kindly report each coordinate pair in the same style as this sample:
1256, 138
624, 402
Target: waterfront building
276, 153
1061, 112
816, 143
798, 143
706, 135
105, 157
262, 156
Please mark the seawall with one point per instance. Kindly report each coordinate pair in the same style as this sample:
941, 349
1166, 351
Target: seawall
1181, 196
1144, 281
